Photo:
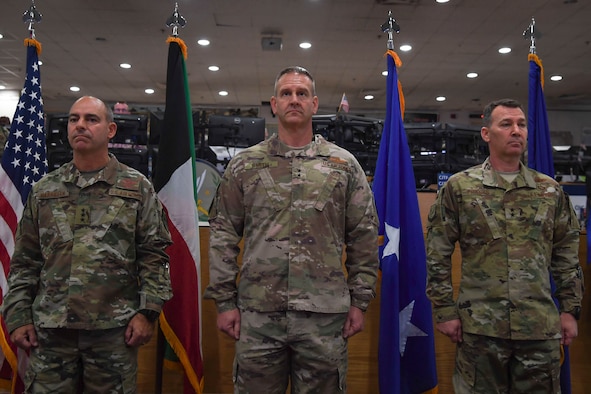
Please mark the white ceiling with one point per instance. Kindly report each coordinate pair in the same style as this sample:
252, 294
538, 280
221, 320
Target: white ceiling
84, 41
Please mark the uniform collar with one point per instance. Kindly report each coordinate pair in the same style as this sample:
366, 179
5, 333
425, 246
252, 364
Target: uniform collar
492, 178
317, 147
107, 174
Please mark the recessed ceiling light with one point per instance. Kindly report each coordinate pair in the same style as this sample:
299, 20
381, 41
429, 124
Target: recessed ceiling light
2, 87
440, 98
472, 75
368, 97
561, 148
213, 68
223, 93
504, 50
74, 88
203, 42
305, 45
40, 62
385, 73
1, 36
441, 1
149, 91
405, 48
556, 78
125, 65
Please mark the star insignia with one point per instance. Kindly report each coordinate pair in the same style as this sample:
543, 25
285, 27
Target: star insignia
393, 245
407, 329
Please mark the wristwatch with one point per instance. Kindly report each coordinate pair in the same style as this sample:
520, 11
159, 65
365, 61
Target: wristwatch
576, 312
151, 315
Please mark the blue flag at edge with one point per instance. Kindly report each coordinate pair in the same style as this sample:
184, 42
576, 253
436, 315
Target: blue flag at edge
539, 146
540, 159
406, 343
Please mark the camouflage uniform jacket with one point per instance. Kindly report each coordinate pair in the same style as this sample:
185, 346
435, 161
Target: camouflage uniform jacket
297, 209
4, 132
89, 253
511, 236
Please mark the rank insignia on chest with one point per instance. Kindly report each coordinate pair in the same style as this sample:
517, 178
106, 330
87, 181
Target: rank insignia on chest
82, 214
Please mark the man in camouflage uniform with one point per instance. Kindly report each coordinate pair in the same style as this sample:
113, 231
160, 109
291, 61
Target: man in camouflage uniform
298, 201
89, 273
4, 132
515, 227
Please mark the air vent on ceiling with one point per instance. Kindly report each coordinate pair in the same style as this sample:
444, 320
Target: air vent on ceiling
271, 43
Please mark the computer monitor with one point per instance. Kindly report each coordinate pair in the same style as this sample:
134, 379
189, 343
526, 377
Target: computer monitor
135, 158
131, 129
56, 133
57, 156
235, 131
155, 126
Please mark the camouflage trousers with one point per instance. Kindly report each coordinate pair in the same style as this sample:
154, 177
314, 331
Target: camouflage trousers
89, 361
493, 365
306, 350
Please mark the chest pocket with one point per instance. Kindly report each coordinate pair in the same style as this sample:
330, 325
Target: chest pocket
542, 221
54, 224
119, 219
489, 217
326, 193
274, 195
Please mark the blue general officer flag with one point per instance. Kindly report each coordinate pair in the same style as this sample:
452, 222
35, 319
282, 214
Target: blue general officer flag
406, 344
539, 153
539, 146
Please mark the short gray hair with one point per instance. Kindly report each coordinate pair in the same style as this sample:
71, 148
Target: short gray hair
507, 102
295, 70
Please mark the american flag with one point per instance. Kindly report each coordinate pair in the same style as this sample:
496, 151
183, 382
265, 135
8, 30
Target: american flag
344, 105
23, 164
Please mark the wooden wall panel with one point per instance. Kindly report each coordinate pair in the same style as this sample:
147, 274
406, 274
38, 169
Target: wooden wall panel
218, 350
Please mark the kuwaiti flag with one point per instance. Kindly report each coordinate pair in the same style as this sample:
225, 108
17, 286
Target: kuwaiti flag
23, 164
175, 184
406, 355
539, 157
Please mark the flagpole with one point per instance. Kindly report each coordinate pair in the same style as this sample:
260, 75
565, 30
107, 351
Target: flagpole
175, 21
175, 184
32, 16
532, 35
390, 26
406, 350
540, 156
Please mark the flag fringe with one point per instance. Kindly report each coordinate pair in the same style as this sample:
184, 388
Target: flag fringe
398, 63
181, 353
10, 357
434, 390
381, 240
533, 57
562, 355
31, 42
181, 44
5, 384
